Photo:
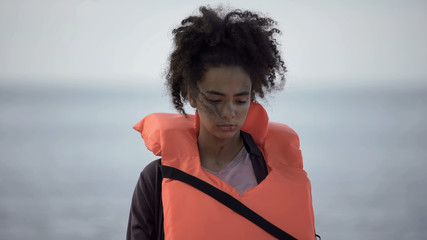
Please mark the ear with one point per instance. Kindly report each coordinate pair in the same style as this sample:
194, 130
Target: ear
190, 97
192, 102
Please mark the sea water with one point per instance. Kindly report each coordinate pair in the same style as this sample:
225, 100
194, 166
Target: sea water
69, 159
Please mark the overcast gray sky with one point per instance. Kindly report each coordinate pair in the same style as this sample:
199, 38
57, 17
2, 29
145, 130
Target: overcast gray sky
127, 42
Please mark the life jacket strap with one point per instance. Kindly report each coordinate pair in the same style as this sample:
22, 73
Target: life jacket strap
226, 199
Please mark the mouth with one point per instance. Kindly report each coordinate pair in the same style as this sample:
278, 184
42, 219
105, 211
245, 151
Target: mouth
227, 127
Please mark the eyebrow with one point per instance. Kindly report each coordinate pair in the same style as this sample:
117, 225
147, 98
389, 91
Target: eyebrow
222, 94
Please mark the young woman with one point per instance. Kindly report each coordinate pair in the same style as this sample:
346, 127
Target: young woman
225, 172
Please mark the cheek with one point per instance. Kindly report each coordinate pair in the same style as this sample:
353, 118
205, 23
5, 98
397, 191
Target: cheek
243, 112
208, 108
206, 120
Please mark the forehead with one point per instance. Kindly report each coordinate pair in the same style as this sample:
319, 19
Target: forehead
226, 79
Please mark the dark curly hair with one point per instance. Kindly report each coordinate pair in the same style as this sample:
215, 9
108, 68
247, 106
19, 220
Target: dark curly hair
237, 38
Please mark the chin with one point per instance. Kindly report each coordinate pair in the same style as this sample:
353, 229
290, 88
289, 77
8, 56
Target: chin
227, 135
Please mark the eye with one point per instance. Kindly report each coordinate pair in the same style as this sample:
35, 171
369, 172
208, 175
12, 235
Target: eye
214, 100
241, 101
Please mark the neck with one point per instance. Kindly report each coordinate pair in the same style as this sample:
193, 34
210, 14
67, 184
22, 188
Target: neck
216, 154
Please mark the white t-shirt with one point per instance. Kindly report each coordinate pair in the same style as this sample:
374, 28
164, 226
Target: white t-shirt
239, 173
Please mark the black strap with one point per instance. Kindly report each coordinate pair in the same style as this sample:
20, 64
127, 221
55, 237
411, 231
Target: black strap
226, 199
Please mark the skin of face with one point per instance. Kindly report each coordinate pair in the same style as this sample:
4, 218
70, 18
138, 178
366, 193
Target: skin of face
222, 103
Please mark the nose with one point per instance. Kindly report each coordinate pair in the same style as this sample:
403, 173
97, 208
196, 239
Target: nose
229, 111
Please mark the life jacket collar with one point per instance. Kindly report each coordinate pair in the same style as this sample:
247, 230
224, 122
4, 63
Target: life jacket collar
166, 130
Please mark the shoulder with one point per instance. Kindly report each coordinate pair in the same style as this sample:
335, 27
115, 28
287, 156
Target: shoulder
145, 219
282, 145
152, 168
150, 175
283, 133
149, 184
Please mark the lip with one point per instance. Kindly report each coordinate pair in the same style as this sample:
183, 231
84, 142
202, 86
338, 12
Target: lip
227, 127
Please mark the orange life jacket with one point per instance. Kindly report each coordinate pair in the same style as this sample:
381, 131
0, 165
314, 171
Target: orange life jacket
283, 197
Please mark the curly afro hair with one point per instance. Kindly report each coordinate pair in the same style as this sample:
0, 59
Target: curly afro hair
237, 38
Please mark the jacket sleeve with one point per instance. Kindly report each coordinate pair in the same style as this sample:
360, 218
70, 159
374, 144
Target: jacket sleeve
146, 213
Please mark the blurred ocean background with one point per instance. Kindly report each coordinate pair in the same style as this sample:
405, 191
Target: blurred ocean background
70, 159
75, 76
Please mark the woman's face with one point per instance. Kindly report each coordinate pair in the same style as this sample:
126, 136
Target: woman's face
223, 101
